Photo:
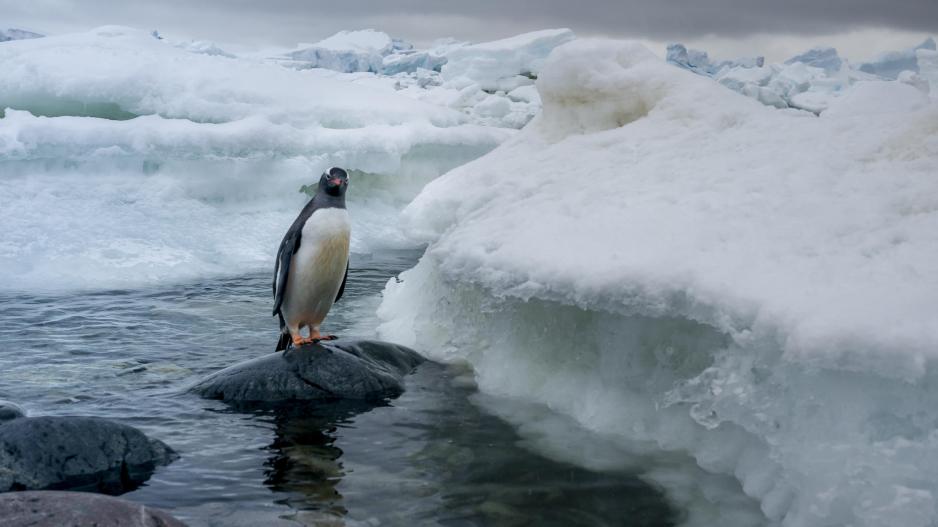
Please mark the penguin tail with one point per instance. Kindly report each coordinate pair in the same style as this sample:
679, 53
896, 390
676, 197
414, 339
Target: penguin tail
285, 339
284, 342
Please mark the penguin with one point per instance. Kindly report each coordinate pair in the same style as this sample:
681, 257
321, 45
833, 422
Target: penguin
312, 263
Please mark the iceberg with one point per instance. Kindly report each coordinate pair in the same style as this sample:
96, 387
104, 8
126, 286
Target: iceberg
669, 262
9, 34
825, 58
153, 156
503, 64
890, 65
699, 62
346, 51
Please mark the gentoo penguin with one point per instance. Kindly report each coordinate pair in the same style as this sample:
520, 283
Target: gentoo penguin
312, 263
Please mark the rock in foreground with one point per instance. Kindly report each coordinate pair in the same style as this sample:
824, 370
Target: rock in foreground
341, 369
80, 509
10, 411
77, 453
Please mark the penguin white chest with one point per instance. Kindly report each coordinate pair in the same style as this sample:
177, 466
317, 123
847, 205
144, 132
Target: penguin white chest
317, 268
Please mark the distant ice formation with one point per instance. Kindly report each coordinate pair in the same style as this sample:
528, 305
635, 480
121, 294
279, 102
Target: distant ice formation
166, 164
811, 80
9, 34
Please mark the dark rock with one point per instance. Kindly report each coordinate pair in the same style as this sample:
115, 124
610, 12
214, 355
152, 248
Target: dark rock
341, 369
10, 411
78, 509
77, 453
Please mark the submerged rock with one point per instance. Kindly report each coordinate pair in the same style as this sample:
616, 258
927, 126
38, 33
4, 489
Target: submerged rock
77, 453
342, 369
57, 508
10, 411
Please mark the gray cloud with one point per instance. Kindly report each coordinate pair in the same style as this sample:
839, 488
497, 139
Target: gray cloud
285, 22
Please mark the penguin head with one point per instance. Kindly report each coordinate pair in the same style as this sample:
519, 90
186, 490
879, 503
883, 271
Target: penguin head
334, 181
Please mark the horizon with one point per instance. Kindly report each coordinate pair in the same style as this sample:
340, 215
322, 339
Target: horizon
858, 36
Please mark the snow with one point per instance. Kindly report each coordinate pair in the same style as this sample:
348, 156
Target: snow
129, 161
663, 260
497, 65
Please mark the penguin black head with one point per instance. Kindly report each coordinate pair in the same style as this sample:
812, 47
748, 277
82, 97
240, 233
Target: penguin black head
334, 182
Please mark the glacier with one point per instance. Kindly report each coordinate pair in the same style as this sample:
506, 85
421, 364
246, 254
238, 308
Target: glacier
751, 287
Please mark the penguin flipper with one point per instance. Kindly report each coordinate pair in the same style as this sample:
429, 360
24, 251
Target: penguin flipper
342, 287
289, 246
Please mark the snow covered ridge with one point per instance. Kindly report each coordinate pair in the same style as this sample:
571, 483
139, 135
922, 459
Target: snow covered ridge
813, 79
667, 261
153, 154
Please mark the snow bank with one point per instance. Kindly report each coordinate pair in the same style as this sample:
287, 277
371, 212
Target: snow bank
127, 160
664, 260
503, 64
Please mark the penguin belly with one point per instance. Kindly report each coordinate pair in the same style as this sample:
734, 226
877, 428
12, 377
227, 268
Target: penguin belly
317, 269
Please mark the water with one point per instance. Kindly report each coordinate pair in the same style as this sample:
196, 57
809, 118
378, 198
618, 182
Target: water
431, 457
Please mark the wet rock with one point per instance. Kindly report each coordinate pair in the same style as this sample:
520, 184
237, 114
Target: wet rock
10, 411
341, 369
80, 509
77, 453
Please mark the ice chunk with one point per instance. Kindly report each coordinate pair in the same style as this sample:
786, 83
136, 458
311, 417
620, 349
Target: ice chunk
346, 51
699, 62
825, 58
667, 261
495, 65
691, 59
411, 62
204, 47
890, 65
9, 34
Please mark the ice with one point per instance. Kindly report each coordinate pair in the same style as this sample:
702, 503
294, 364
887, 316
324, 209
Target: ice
498, 65
811, 81
128, 161
346, 51
411, 62
663, 260
205, 47
890, 65
699, 62
825, 58
9, 34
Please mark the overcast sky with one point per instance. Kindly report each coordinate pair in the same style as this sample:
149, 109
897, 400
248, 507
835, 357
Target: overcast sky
776, 28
